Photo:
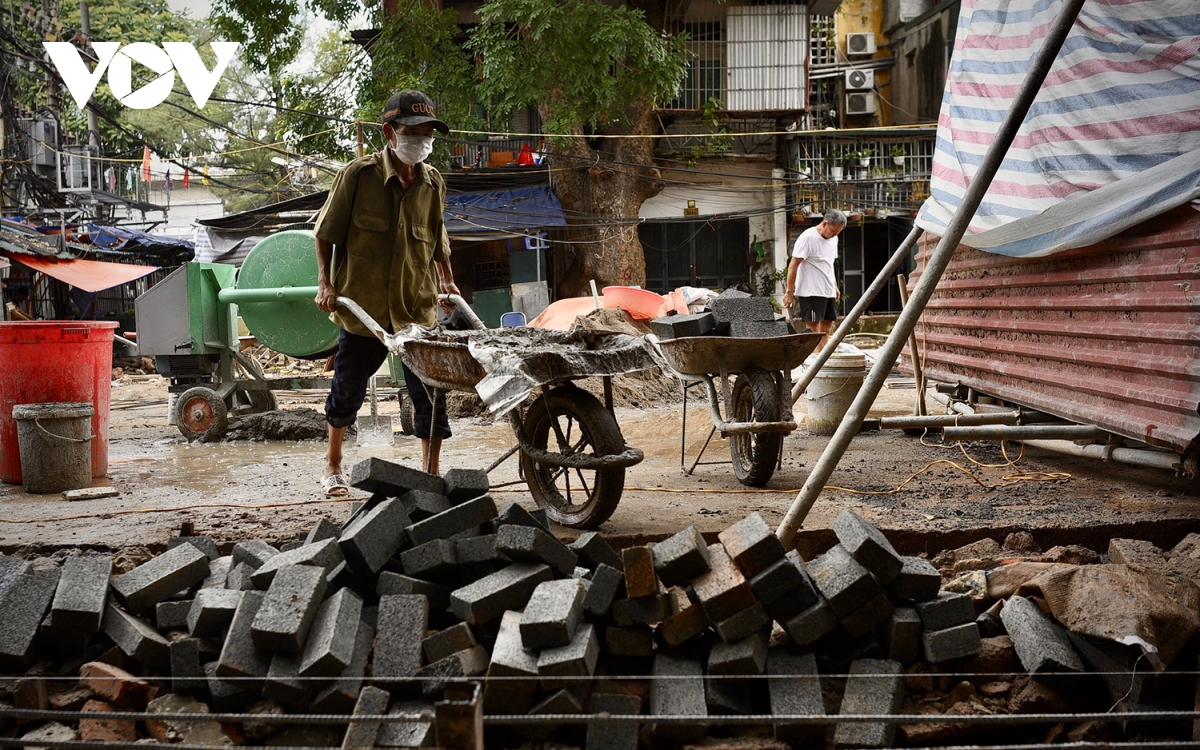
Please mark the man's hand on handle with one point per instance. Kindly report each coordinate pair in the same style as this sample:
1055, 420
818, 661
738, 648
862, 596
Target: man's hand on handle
788, 298
326, 297
447, 288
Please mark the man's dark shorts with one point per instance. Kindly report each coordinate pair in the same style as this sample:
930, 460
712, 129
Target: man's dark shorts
357, 359
813, 309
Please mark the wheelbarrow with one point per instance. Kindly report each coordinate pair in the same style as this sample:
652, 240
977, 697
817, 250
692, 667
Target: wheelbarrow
573, 456
757, 413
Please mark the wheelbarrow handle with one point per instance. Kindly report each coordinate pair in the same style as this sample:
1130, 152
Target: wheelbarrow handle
459, 302
368, 321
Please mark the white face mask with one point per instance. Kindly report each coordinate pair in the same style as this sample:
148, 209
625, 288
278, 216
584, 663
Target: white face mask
413, 149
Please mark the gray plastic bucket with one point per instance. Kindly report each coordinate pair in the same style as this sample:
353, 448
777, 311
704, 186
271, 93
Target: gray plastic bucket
55, 444
833, 390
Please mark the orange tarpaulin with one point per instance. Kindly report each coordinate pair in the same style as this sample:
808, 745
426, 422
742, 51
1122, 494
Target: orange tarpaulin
88, 275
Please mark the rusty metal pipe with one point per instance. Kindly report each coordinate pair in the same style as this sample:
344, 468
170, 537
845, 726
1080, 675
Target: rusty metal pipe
948, 420
934, 268
1025, 432
1131, 456
835, 338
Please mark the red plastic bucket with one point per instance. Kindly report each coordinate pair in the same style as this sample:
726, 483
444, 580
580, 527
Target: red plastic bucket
54, 360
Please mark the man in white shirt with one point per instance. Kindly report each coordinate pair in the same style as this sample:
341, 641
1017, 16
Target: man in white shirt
810, 279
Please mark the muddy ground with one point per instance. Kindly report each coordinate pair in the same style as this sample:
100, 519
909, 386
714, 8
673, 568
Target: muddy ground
270, 490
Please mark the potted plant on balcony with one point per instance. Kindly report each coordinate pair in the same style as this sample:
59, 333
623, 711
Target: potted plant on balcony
836, 159
864, 156
898, 154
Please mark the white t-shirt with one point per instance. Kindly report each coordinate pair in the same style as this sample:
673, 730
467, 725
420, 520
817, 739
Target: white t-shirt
814, 277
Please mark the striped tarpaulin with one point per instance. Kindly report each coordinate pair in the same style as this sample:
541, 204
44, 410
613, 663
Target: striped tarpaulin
1112, 139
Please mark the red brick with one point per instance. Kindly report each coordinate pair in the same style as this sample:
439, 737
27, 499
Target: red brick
722, 591
115, 685
122, 731
685, 621
640, 579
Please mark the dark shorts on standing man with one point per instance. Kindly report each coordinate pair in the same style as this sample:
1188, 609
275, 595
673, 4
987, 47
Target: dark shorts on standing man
813, 309
357, 359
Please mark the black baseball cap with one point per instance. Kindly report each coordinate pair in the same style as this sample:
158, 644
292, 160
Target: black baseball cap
412, 108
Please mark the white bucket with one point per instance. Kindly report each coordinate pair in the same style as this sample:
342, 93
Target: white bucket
833, 390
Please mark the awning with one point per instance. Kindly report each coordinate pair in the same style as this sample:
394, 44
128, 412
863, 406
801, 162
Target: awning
4, 264
88, 275
504, 212
121, 237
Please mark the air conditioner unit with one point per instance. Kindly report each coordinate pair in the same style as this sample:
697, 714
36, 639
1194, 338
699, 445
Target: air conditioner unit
860, 79
860, 103
860, 43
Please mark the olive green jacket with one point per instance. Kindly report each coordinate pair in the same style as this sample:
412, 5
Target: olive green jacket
386, 240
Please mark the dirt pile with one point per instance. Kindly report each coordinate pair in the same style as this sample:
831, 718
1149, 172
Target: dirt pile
285, 424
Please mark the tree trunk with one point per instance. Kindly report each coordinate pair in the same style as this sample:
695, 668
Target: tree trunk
602, 183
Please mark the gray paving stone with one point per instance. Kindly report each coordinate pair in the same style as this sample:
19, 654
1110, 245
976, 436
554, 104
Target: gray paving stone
530, 544
377, 476
339, 696
420, 505
900, 636
645, 610
254, 553
417, 733
730, 696
844, 583
283, 684
187, 672
602, 589
510, 659
465, 484
238, 578
869, 616
459, 518
680, 558
552, 614
370, 540
24, 608
636, 641
136, 638
11, 568
160, 577
743, 624
794, 687
573, 663
453, 639
403, 621
594, 550
239, 656
952, 643
946, 611
211, 612
362, 735
430, 559
476, 550
203, 543
681, 326
723, 591
603, 734
82, 591
745, 657
727, 310
330, 644
225, 695
218, 573
470, 662
785, 606
172, 615
325, 554
867, 545
390, 583
287, 611
678, 690
875, 686
758, 329
489, 597
812, 624
1041, 643
918, 581
514, 513
325, 529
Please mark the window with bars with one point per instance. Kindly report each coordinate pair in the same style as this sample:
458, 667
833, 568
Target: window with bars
705, 74
822, 47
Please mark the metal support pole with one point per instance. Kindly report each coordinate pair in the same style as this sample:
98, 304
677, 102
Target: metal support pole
1024, 432
835, 338
932, 273
938, 421
918, 375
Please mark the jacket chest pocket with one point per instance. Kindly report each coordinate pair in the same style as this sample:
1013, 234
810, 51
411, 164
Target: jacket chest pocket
370, 235
421, 246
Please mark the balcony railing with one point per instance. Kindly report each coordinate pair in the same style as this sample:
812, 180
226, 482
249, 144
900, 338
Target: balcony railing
886, 174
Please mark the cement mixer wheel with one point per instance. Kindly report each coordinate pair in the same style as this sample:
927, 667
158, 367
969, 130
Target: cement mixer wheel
201, 414
755, 399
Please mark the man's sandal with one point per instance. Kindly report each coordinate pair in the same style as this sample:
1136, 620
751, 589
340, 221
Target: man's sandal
335, 486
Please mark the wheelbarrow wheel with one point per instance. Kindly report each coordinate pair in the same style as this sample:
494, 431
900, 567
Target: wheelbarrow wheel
579, 498
201, 414
755, 399
408, 416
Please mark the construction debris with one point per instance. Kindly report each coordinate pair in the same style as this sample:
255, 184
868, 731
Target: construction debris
429, 586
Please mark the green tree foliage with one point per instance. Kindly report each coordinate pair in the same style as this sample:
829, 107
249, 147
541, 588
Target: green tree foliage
322, 101
583, 62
